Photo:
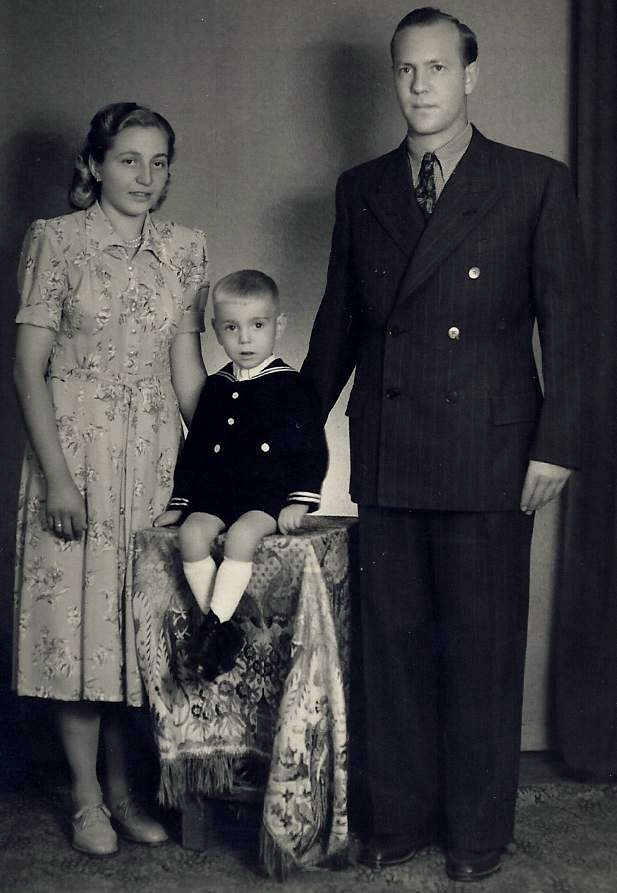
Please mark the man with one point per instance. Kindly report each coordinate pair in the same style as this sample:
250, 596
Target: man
444, 253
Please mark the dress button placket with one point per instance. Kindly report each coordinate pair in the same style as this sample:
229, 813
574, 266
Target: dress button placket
133, 301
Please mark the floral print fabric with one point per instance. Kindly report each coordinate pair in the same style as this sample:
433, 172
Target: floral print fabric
281, 710
109, 379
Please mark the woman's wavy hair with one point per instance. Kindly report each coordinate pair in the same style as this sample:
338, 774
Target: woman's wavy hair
104, 128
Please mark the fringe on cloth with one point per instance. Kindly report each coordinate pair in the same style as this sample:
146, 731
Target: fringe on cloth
279, 864
188, 775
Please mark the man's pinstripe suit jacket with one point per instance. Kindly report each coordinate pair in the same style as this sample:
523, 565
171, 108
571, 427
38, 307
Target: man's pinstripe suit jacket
446, 407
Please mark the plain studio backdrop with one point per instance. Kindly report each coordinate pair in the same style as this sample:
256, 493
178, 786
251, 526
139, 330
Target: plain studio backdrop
270, 101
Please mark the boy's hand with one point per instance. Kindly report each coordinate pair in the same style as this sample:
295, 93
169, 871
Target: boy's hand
168, 518
291, 516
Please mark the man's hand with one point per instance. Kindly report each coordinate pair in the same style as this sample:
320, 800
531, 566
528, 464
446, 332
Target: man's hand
290, 518
168, 518
543, 482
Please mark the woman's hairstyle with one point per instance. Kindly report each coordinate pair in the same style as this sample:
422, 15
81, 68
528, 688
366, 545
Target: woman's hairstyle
104, 128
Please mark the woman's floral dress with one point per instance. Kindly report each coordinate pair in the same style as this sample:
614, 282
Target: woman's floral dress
110, 382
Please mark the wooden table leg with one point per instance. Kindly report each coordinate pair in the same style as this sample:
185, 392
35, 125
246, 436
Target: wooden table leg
197, 823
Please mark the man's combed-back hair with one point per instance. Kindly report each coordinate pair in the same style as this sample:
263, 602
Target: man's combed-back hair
104, 128
430, 15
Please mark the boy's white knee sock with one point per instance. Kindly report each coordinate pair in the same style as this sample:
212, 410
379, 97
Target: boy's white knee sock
200, 577
231, 581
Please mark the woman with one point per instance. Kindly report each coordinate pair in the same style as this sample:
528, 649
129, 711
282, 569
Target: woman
108, 352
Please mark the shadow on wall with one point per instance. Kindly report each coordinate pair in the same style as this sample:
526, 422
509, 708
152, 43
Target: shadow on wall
347, 116
37, 170
359, 110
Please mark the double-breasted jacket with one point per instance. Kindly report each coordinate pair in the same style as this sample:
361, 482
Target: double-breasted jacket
437, 319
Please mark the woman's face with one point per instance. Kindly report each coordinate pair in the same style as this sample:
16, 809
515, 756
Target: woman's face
134, 171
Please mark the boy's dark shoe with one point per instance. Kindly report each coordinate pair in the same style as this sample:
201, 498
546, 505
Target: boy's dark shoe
383, 850
190, 642
469, 865
218, 646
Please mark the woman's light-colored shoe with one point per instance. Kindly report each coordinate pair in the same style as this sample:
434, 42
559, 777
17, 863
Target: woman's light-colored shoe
92, 831
131, 822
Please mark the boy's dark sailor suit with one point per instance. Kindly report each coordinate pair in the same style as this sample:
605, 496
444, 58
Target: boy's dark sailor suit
254, 444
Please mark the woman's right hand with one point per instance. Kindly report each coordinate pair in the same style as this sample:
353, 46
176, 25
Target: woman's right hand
66, 509
65, 506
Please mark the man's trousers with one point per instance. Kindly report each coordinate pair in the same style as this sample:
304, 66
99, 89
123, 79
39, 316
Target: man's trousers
444, 604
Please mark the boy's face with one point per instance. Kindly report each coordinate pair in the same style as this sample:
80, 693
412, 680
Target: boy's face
247, 327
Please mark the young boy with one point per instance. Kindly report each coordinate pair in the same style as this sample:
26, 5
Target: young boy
254, 460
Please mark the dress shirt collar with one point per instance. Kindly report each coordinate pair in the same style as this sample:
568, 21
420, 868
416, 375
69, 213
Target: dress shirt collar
448, 155
100, 235
245, 374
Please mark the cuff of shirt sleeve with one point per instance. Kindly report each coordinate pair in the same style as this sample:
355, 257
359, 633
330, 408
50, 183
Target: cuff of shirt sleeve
177, 502
305, 497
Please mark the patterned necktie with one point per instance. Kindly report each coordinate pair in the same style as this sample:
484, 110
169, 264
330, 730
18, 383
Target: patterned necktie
426, 193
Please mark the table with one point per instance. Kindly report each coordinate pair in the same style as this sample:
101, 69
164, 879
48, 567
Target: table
279, 718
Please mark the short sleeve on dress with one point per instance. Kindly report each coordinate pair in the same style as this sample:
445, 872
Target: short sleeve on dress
195, 285
42, 278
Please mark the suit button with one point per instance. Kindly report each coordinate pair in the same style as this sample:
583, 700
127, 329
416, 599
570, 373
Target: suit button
265, 448
217, 448
394, 332
501, 325
393, 393
474, 272
454, 333
451, 396
231, 421
235, 395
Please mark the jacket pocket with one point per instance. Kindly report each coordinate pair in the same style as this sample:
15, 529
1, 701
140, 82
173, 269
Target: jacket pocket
510, 409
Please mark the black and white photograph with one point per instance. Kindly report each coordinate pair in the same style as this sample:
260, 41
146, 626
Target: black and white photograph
309, 443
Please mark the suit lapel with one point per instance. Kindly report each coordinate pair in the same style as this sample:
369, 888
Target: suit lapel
469, 193
393, 203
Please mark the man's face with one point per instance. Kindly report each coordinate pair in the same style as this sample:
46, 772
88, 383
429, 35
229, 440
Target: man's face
431, 81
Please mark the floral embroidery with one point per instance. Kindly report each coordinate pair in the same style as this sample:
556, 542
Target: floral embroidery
281, 707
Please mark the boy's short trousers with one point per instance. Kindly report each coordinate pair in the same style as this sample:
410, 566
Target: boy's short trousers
228, 513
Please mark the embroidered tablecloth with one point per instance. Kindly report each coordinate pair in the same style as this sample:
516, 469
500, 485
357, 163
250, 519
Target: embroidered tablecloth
281, 712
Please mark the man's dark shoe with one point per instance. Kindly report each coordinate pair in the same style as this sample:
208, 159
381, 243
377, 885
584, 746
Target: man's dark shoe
383, 850
469, 865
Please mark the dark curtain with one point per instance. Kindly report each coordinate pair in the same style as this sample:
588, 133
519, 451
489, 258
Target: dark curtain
586, 615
